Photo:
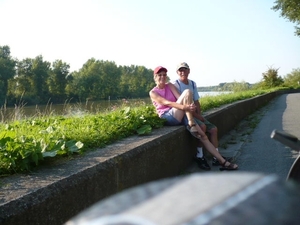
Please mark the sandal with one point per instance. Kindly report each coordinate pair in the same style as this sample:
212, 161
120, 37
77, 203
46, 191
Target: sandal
229, 167
192, 129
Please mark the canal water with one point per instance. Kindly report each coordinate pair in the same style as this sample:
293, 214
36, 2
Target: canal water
23, 111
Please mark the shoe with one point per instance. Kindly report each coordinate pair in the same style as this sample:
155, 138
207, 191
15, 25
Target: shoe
193, 131
202, 163
230, 166
215, 162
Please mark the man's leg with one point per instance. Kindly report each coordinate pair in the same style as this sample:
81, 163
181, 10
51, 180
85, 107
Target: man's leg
200, 158
213, 137
210, 128
213, 133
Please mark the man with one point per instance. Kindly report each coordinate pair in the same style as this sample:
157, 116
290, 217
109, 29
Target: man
183, 71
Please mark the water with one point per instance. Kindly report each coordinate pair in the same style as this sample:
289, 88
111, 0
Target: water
23, 111
68, 109
212, 93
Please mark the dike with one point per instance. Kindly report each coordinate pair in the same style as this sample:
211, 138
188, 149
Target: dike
56, 193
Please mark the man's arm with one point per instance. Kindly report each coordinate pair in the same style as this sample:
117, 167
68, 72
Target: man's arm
197, 114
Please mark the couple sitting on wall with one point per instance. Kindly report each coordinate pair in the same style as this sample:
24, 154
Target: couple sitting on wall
178, 103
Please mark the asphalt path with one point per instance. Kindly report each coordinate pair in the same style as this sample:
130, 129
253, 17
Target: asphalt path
250, 143
263, 154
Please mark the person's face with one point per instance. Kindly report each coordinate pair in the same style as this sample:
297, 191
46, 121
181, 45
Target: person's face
183, 73
161, 77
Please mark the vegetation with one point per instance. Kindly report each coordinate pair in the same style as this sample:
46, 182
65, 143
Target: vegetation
292, 79
270, 79
37, 81
210, 102
289, 9
25, 144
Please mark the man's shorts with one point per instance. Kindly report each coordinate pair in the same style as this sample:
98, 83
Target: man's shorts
208, 124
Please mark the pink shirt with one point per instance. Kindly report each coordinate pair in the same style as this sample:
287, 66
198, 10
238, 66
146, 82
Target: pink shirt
167, 94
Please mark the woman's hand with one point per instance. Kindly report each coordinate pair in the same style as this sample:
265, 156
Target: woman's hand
190, 108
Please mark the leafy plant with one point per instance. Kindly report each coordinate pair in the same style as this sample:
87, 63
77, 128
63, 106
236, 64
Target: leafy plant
24, 144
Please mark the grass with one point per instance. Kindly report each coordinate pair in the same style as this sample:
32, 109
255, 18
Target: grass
210, 102
26, 144
244, 129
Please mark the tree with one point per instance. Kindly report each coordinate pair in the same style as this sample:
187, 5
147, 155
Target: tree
87, 83
293, 79
136, 81
40, 71
20, 86
289, 9
7, 71
110, 78
31, 80
271, 78
57, 80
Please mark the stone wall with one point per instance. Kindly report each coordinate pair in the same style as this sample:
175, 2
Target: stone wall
55, 193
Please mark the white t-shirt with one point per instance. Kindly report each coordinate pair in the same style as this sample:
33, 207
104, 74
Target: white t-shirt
192, 86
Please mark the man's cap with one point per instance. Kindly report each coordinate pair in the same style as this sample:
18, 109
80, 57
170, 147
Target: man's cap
159, 68
183, 65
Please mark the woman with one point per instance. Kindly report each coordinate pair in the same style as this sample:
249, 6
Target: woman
178, 109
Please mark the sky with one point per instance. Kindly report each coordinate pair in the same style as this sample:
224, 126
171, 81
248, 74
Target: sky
222, 41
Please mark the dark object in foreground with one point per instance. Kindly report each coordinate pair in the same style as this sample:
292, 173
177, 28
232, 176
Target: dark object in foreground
292, 142
286, 139
186, 200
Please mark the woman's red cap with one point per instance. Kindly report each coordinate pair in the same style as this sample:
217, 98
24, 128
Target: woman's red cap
159, 68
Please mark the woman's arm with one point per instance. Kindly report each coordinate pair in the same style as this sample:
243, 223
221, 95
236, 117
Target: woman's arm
160, 100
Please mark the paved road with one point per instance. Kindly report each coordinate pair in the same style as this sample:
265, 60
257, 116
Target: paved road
267, 155
253, 149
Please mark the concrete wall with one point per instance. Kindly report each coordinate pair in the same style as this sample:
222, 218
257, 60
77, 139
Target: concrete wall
55, 193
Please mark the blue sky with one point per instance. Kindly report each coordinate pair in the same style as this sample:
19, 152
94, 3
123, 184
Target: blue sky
222, 41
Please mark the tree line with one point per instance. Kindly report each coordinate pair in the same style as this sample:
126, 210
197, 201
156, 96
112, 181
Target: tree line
36, 81
270, 79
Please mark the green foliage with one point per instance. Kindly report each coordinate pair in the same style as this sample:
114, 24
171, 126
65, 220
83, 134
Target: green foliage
136, 81
36, 81
211, 102
24, 144
271, 79
30, 83
289, 9
293, 79
7, 71
234, 86
57, 80
105, 80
